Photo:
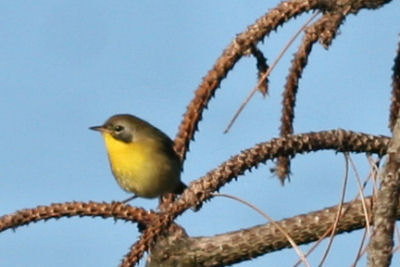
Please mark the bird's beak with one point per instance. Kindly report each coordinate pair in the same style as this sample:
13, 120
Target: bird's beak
101, 129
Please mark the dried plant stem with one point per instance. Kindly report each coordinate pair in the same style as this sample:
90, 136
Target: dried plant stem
339, 211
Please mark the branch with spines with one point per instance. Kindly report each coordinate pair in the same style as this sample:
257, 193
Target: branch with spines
203, 188
243, 43
324, 29
291, 145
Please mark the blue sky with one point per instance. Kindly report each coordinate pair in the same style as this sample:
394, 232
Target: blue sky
68, 65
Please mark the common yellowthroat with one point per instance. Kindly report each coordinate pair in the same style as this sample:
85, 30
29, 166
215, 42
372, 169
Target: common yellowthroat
142, 157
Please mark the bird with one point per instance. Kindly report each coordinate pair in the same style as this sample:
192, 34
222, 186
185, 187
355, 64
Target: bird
142, 158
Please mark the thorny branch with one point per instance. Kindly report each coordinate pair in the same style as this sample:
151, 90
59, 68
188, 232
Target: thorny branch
286, 146
325, 30
237, 246
114, 210
381, 244
231, 55
291, 145
262, 68
244, 42
202, 189
395, 107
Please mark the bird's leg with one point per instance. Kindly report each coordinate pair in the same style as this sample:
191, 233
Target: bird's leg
129, 199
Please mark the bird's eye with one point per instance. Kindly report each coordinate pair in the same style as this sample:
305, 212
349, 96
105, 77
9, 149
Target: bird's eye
118, 128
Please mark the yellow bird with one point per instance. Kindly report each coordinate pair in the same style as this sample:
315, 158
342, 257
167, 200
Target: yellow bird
142, 158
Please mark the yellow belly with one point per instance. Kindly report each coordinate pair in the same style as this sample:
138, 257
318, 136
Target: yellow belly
142, 167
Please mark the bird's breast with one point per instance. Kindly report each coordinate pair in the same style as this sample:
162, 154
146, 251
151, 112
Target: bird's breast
126, 157
143, 167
